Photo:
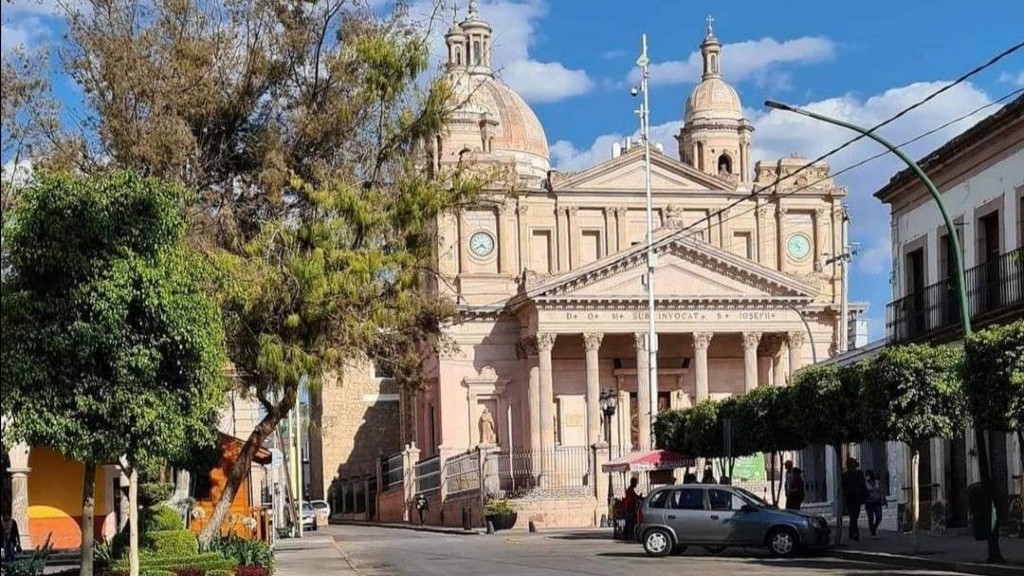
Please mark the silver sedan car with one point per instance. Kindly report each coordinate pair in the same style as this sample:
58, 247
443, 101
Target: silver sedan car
717, 517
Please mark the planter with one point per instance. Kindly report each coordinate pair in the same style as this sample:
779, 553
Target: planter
503, 521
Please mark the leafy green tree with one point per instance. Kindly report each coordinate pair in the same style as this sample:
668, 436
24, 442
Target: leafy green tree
913, 393
112, 347
765, 423
993, 378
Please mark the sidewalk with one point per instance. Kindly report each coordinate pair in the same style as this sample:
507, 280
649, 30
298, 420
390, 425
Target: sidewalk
416, 527
953, 551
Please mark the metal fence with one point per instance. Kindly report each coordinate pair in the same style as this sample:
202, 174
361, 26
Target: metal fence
394, 471
462, 473
566, 470
428, 475
992, 287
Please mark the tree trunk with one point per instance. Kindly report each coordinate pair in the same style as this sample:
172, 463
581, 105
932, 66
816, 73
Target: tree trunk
771, 467
88, 513
995, 555
240, 469
838, 449
133, 522
915, 493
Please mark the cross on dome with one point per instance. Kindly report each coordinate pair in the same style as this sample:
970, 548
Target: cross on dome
710, 21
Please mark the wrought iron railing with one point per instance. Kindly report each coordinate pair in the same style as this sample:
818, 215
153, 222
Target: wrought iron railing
394, 473
994, 287
428, 475
562, 471
462, 473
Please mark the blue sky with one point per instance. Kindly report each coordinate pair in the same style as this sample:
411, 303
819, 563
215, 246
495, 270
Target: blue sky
863, 61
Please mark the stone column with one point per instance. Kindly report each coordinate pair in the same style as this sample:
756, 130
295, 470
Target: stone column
822, 216
19, 471
574, 236
624, 424
562, 224
780, 235
505, 240
701, 341
763, 235
524, 238
545, 344
592, 343
527, 350
750, 342
463, 245
643, 392
611, 232
622, 227
796, 348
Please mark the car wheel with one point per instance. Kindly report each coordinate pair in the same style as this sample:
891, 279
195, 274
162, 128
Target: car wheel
679, 550
783, 542
657, 542
715, 549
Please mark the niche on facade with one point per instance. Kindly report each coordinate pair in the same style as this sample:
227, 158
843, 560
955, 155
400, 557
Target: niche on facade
487, 408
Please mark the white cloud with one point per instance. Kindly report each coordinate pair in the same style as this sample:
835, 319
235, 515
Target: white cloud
1017, 79
744, 60
516, 26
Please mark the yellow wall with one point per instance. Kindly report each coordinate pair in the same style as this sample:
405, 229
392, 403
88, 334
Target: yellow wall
55, 499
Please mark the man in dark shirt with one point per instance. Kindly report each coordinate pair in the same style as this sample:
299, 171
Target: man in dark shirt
632, 503
11, 538
855, 493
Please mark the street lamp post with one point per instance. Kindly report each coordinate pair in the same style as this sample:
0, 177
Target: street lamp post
609, 400
994, 554
652, 259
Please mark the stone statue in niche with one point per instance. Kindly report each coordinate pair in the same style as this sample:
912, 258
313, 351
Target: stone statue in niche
487, 435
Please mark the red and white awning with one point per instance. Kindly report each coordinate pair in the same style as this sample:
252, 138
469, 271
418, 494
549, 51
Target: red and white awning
648, 461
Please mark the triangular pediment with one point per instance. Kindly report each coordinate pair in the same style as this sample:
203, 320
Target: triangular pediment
627, 173
687, 269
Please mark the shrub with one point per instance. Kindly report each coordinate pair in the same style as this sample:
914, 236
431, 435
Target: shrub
160, 518
251, 571
152, 572
153, 493
244, 552
174, 543
189, 572
204, 562
220, 573
498, 506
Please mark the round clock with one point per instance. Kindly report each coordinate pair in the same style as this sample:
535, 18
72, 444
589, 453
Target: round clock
482, 244
799, 246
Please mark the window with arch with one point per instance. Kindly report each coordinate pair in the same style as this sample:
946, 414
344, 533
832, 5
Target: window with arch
476, 52
714, 64
724, 165
458, 56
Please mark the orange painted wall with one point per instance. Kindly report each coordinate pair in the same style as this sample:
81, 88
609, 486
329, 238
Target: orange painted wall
241, 506
55, 499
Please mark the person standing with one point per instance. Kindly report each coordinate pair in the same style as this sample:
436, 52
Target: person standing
11, 538
632, 504
855, 494
709, 476
795, 496
875, 501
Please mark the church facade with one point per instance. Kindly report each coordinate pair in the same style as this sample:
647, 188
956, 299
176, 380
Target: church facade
549, 273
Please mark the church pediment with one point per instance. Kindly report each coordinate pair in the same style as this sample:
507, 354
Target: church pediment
688, 270
627, 173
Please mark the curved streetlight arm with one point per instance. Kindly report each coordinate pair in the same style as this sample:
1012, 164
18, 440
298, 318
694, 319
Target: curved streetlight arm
958, 257
810, 333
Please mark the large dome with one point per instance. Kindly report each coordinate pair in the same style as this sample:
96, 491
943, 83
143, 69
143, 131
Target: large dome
490, 119
715, 99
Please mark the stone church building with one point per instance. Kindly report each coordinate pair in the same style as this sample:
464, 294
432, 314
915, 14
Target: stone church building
549, 269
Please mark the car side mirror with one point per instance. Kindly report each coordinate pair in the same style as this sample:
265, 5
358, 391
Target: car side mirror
748, 508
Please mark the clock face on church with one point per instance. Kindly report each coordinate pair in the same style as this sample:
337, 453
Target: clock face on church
482, 244
799, 246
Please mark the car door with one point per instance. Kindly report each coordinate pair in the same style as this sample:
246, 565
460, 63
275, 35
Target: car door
686, 515
656, 507
730, 522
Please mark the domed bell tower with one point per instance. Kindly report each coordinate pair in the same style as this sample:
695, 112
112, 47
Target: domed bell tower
715, 137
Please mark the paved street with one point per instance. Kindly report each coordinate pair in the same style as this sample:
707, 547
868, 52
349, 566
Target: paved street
370, 551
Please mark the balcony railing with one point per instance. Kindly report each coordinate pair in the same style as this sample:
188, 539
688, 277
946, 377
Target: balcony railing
993, 288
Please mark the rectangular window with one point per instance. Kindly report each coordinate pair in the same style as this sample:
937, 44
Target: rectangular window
540, 251
688, 499
590, 246
724, 500
743, 244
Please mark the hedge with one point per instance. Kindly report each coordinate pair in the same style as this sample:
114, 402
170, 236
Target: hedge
160, 519
171, 543
151, 572
220, 573
204, 562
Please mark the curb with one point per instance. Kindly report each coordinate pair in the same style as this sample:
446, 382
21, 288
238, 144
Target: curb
924, 563
413, 528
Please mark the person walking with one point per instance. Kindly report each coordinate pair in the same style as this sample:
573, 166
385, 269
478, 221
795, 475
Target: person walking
11, 538
709, 476
795, 495
855, 494
875, 501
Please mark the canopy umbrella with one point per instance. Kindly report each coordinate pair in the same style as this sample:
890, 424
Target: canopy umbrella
647, 461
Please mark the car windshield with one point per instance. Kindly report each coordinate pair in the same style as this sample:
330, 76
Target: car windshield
306, 507
321, 505
751, 498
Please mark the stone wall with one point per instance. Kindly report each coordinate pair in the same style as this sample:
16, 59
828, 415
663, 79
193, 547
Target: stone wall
391, 506
559, 513
356, 419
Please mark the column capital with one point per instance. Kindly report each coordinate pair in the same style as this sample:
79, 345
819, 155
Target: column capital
821, 214
764, 211
505, 208
701, 340
572, 210
751, 340
620, 210
640, 340
592, 341
522, 209
781, 211
526, 347
546, 341
796, 339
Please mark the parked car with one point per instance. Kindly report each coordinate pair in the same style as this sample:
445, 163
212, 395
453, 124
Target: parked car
309, 520
717, 517
323, 511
